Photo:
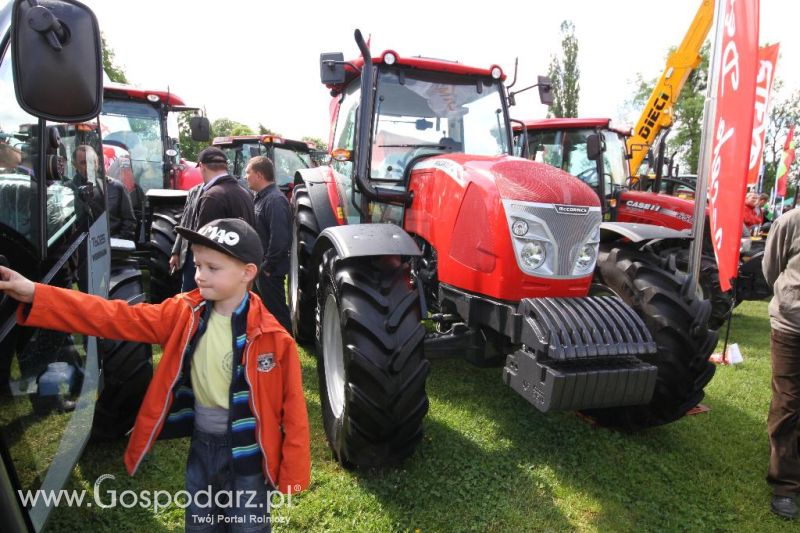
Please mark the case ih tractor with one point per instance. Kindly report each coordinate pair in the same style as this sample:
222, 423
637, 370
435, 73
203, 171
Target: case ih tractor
565, 143
425, 217
287, 155
144, 123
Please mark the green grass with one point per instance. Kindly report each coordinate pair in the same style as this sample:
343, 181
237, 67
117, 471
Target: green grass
491, 462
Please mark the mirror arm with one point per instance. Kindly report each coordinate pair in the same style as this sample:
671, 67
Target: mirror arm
511, 95
331, 63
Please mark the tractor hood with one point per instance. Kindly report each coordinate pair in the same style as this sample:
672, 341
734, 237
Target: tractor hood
515, 178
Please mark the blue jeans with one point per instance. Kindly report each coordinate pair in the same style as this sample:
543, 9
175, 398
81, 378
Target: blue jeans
221, 500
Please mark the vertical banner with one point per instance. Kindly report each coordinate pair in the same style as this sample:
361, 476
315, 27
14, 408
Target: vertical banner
787, 158
767, 59
732, 131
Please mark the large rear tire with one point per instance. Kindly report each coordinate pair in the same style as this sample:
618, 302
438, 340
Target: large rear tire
678, 323
127, 366
371, 367
163, 285
302, 293
709, 282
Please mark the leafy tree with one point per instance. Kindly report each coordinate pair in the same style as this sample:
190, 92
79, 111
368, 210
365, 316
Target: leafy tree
115, 73
263, 130
189, 147
223, 127
318, 142
565, 75
783, 113
685, 135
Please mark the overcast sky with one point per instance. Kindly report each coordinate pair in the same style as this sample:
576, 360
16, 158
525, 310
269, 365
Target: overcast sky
255, 61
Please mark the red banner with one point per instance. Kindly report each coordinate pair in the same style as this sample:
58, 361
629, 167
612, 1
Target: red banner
767, 59
735, 74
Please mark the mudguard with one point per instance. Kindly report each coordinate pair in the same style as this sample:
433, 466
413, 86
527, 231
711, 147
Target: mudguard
610, 231
362, 240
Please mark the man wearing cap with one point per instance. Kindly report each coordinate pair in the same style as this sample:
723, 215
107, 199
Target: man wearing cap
221, 196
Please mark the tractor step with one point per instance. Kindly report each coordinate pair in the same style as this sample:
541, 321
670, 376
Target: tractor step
553, 386
580, 353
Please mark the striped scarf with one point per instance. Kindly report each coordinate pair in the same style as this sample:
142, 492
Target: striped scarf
241, 421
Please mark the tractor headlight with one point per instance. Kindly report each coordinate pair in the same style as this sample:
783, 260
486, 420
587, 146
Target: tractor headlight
519, 228
587, 256
533, 254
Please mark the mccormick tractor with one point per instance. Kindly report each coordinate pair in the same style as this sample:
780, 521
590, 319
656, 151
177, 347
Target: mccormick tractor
287, 155
426, 237
57, 389
144, 123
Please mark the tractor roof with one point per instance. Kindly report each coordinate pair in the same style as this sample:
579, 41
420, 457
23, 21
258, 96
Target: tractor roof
234, 140
562, 123
418, 62
135, 93
571, 123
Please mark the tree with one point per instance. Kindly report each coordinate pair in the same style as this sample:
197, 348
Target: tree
565, 75
223, 127
189, 148
114, 72
263, 130
319, 143
783, 113
687, 128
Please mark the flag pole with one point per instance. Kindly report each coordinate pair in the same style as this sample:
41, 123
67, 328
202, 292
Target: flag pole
704, 166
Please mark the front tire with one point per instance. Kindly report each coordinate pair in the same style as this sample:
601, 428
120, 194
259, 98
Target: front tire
678, 323
163, 285
302, 293
127, 366
370, 360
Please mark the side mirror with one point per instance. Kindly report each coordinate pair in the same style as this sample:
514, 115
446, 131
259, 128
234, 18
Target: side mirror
331, 68
57, 60
545, 90
595, 146
200, 128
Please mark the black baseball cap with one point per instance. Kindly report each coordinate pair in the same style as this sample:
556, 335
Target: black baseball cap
231, 236
212, 154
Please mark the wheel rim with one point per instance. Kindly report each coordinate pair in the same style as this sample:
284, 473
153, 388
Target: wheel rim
333, 356
294, 270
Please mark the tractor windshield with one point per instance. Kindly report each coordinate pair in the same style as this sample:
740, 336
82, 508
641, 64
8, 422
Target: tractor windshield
419, 112
136, 127
239, 155
566, 149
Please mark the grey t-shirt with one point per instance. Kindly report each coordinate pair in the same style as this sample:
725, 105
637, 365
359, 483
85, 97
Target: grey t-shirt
781, 268
212, 420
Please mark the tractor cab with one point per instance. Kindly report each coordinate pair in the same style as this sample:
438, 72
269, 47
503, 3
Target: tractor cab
422, 108
287, 155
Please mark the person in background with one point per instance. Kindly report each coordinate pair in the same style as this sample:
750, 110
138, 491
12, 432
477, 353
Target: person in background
274, 227
781, 266
182, 258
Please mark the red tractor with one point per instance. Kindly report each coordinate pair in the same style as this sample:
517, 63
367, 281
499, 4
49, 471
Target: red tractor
144, 123
425, 217
664, 202
287, 155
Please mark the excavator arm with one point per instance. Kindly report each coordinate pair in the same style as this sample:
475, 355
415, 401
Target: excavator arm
658, 113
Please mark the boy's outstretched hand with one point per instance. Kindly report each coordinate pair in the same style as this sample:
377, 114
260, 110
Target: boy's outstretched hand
15, 285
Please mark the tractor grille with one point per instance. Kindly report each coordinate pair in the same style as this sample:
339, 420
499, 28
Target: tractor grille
567, 227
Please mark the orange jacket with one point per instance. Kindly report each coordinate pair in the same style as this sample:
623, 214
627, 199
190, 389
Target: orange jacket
276, 395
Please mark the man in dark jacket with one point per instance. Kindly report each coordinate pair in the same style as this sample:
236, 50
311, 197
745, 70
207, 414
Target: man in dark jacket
121, 220
274, 227
220, 197
781, 267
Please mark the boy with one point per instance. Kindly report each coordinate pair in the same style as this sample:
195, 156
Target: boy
229, 375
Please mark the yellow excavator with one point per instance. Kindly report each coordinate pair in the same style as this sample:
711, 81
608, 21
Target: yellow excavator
658, 113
